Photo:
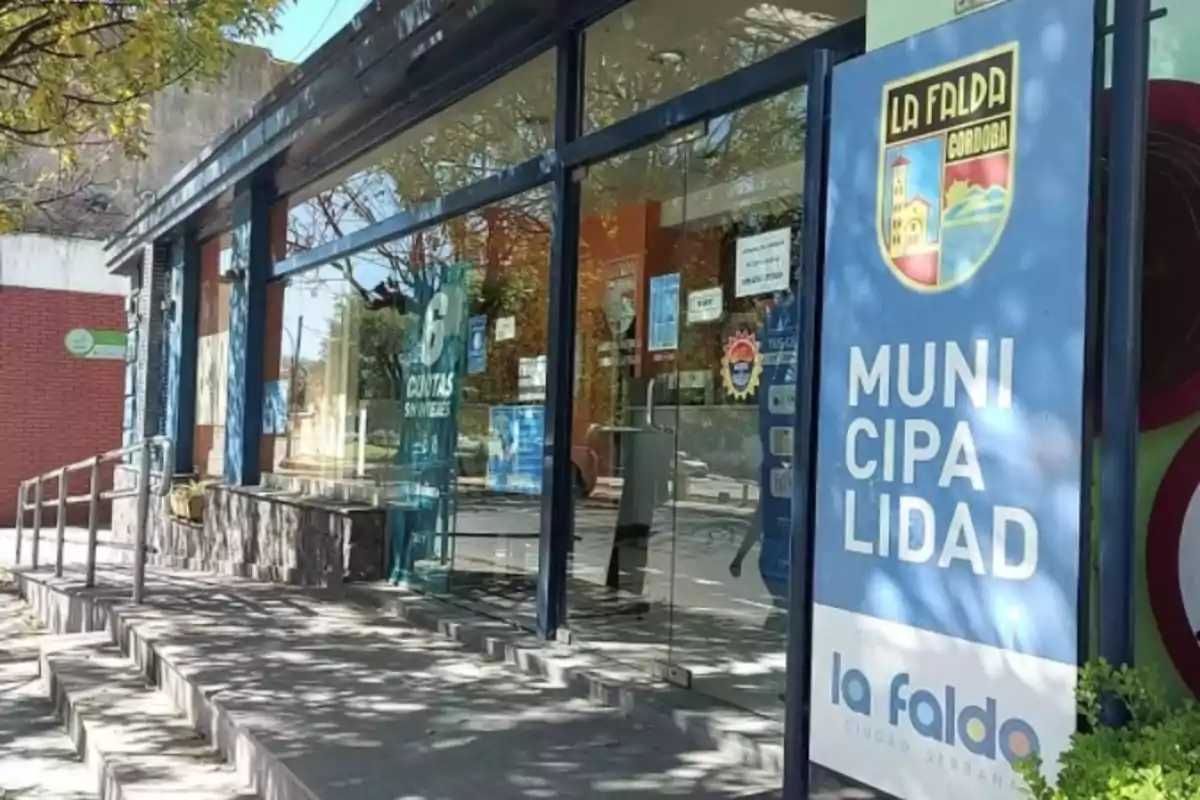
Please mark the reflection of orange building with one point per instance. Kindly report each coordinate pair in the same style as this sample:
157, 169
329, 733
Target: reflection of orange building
628, 246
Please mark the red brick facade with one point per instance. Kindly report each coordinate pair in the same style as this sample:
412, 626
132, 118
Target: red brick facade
54, 408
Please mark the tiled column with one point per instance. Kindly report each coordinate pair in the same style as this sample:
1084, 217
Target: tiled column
251, 266
183, 318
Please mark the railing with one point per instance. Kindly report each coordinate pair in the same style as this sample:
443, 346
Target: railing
63, 501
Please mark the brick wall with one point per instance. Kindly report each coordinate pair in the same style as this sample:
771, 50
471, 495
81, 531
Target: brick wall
54, 408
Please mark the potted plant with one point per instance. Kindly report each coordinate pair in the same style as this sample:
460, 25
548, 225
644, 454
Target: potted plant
187, 500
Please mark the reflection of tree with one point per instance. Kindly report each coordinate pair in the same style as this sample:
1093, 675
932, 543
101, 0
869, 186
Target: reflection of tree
511, 122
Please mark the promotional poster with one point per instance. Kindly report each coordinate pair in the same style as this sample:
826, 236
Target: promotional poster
945, 624
434, 363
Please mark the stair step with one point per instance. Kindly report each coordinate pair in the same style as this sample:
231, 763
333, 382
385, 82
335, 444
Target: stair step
137, 746
37, 760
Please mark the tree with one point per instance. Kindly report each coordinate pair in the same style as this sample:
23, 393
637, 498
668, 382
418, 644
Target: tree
78, 74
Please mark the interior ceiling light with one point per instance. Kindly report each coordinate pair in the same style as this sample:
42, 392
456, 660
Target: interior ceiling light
668, 58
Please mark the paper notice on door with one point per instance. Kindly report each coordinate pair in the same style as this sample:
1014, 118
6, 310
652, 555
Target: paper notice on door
506, 328
764, 263
705, 305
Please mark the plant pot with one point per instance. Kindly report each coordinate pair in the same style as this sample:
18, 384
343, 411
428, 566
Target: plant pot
187, 506
195, 508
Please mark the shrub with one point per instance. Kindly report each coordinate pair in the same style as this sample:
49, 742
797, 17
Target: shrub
1155, 757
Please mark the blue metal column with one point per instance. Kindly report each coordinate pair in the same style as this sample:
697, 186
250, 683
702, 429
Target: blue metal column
558, 485
808, 343
251, 267
1122, 329
183, 318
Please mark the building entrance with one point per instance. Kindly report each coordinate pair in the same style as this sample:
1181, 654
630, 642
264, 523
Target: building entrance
685, 400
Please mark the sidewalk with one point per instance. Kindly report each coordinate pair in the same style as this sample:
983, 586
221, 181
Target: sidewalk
352, 702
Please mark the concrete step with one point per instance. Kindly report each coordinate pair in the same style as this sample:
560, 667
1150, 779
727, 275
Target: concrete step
37, 759
132, 739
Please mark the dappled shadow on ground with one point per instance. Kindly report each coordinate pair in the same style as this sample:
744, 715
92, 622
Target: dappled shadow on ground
366, 706
150, 748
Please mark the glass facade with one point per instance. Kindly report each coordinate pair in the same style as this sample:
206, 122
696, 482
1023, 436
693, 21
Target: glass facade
681, 469
415, 374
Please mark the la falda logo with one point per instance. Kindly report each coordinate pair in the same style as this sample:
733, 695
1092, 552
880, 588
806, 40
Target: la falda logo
981, 730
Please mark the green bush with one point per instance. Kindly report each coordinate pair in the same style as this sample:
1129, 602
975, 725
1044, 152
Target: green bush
1155, 757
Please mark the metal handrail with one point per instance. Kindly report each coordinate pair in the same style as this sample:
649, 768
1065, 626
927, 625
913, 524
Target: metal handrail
144, 449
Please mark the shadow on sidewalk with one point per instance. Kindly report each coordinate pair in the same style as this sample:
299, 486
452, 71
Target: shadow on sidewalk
365, 706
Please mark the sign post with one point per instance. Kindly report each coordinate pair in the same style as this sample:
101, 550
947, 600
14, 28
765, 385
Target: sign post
945, 639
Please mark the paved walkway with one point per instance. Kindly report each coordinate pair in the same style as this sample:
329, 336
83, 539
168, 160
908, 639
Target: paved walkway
37, 758
359, 704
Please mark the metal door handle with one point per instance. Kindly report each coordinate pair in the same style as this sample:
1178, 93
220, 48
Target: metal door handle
650, 402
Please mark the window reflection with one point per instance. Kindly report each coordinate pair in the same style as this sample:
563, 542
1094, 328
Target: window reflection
212, 357
504, 124
648, 52
429, 406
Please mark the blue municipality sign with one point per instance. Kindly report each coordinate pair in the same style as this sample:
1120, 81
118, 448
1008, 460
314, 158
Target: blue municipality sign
946, 572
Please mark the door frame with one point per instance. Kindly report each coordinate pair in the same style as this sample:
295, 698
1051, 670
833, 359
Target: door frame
806, 63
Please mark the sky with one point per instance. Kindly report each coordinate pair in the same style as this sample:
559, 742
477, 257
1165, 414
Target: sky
307, 24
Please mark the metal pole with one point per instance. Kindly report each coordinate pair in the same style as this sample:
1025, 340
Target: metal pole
810, 289
143, 515
93, 522
20, 521
61, 520
37, 522
558, 488
1122, 330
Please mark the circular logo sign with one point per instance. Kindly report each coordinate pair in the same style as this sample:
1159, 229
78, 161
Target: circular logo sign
79, 342
1173, 561
741, 366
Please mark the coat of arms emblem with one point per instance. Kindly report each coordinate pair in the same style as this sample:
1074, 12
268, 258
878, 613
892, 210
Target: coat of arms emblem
946, 168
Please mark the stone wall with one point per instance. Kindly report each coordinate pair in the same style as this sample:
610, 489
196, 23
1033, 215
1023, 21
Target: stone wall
264, 534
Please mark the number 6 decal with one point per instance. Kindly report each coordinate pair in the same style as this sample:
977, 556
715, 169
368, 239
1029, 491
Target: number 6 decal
1173, 561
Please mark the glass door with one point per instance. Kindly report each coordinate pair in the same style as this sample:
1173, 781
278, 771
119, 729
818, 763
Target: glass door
623, 443
734, 389
684, 402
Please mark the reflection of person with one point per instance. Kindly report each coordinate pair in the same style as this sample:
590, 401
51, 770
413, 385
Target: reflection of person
776, 620
647, 459
503, 428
